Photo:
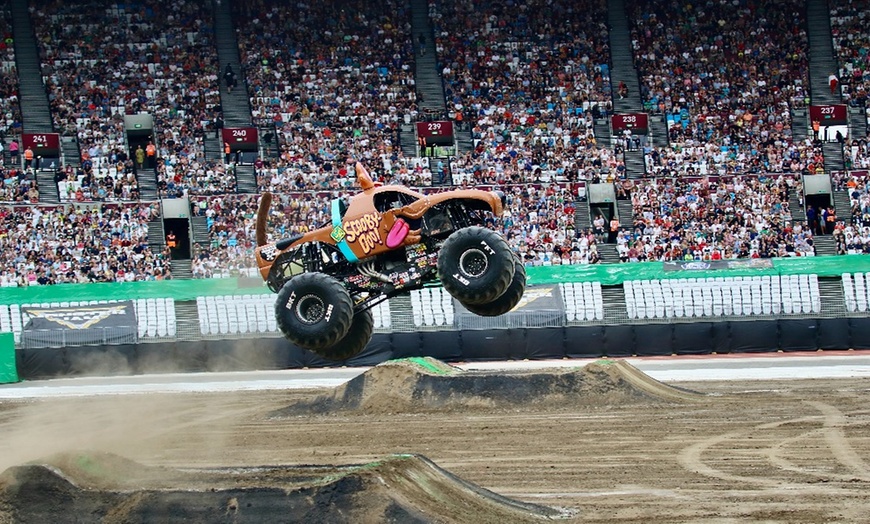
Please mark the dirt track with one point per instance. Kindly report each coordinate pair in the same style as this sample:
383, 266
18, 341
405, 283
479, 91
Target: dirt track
780, 451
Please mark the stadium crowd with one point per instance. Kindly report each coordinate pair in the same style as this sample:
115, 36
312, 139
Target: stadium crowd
103, 62
850, 28
704, 219
10, 110
42, 245
525, 80
726, 75
334, 94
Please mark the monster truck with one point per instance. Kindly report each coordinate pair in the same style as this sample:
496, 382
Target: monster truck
380, 243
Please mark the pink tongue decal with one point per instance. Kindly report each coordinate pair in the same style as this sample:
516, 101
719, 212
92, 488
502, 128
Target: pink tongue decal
397, 234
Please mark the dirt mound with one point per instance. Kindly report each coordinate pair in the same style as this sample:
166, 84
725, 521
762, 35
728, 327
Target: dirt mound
85, 487
422, 384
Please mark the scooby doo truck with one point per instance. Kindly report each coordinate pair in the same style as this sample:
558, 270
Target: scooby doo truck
380, 243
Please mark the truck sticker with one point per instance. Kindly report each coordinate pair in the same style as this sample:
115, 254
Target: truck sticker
337, 234
364, 231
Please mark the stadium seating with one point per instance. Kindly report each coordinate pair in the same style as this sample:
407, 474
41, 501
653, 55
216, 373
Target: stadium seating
234, 315
583, 301
856, 292
712, 129
432, 307
718, 297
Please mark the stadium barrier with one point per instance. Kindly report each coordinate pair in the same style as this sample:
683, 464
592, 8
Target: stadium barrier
225, 324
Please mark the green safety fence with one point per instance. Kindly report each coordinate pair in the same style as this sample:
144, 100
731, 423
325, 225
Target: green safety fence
606, 274
8, 369
615, 274
176, 289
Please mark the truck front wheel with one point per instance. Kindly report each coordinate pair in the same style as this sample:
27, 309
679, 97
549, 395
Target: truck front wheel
314, 311
476, 265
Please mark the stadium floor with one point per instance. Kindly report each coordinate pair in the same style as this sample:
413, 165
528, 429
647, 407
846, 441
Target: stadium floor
756, 449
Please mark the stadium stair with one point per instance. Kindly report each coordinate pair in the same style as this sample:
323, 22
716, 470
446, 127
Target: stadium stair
270, 148
147, 180
659, 131
582, 220
156, 236
622, 60
635, 165
181, 269
625, 212
187, 320
831, 296
35, 111
608, 253
825, 245
428, 73
199, 231
822, 60
601, 129
842, 204
70, 147
402, 313
797, 210
613, 298
246, 179
833, 153
407, 140
48, 193
213, 149
857, 123
800, 124
429, 84
236, 106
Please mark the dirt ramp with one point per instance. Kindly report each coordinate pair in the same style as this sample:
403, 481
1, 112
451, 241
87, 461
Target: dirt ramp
401, 489
426, 384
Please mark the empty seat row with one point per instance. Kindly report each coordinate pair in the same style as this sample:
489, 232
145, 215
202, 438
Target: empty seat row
156, 317
432, 306
856, 291
236, 314
583, 301
729, 296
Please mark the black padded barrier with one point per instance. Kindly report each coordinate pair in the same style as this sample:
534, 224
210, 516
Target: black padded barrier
834, 333
798, 334
541, 343
859, 331
694, 338
485, 344
721, 338
584, 342
443, 345
452, 346
408, 344
618, 341
753, 336
654, 339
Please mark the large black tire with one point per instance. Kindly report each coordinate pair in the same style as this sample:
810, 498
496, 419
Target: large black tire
508, 300
476, 265
314, 311
355, 341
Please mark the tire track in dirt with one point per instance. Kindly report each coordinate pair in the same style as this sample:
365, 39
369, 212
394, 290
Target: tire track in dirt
834, 422
691, 458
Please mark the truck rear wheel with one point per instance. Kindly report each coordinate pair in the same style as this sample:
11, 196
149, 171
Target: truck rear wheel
314, 311
354, 341
476, 265
508, 300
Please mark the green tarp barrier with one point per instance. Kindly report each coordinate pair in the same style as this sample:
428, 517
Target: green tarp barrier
176, 289
615, 274
607, 274
8, 369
